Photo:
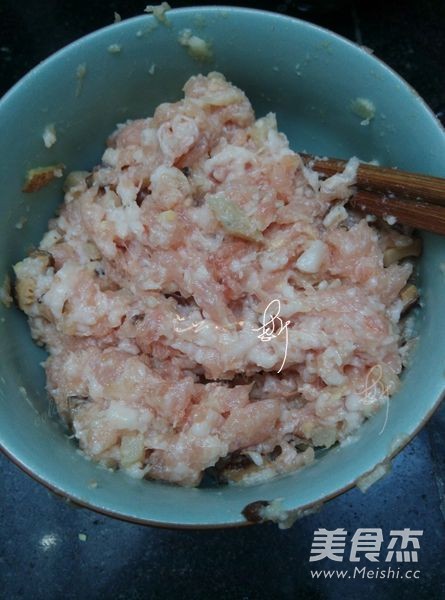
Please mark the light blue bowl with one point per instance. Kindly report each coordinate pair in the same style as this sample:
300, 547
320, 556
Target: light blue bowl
309, 77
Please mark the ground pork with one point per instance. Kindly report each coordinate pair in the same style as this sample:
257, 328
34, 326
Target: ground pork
203, 296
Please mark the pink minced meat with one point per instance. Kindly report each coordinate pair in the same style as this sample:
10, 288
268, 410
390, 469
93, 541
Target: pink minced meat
150, 287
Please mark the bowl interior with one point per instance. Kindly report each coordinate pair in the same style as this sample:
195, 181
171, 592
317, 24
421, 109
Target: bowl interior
309, 77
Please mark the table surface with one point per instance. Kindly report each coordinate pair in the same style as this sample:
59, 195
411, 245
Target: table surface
41, 555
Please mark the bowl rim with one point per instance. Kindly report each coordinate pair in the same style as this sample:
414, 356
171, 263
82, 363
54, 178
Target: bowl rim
218, 8
302, 510
211, 10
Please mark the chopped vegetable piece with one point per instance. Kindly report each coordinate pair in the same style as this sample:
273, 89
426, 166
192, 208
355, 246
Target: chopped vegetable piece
363, 108
114, 48
159, 11
198, 48
74, 178
233, 219
49, 136
409, 296
37, 178
396, 253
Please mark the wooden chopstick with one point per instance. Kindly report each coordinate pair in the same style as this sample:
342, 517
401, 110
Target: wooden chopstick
389, 181
413, 199
420, 215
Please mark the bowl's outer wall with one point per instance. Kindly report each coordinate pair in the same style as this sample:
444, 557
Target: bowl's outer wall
306, 75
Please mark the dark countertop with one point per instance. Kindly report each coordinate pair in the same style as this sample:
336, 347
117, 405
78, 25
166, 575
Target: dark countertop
41, 555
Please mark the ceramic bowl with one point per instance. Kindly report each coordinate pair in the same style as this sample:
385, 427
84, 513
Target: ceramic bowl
309, 77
